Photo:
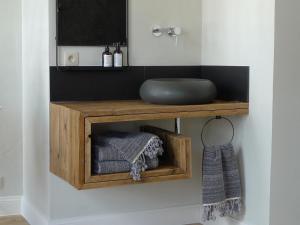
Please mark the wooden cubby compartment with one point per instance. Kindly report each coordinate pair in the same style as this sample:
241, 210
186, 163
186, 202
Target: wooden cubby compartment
71, 130
175, 163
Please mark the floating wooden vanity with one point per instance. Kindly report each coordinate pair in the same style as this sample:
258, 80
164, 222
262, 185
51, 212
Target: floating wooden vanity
71, 130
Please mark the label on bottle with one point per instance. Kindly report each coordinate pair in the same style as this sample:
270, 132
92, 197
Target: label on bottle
107, 61
118, 60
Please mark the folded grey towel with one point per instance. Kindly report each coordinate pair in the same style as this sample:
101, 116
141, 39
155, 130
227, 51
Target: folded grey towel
221, 182
105, 152
108, 167
131, 147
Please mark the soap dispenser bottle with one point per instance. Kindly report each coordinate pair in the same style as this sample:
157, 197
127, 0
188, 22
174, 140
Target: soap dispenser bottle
118, 56
107, 58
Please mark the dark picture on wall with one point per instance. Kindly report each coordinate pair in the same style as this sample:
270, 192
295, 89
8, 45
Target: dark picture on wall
91, 22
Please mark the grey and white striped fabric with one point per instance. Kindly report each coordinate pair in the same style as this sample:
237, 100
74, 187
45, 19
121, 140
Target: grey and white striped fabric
108, 167
221, 182
104, 152
130, 146
134, 148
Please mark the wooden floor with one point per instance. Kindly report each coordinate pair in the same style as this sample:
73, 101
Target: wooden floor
13, 220
19, 220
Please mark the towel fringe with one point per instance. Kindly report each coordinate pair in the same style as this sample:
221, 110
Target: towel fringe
229, 207
152, 149
138, 167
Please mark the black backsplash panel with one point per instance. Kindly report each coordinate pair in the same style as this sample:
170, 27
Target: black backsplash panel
95, 83
232, 82
172, 71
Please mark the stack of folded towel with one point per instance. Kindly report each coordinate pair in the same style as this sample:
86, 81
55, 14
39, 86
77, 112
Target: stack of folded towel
116, 152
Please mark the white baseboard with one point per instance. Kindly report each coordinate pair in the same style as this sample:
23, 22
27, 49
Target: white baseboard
233, 221
225, 221
31, 214
10, 205
170, 216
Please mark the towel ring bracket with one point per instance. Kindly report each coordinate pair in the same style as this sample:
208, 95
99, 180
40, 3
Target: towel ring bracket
217, 118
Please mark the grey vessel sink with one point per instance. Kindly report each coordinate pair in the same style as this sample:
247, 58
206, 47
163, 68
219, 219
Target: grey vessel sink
178, 91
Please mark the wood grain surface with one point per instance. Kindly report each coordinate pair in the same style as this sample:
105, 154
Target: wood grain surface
13, 220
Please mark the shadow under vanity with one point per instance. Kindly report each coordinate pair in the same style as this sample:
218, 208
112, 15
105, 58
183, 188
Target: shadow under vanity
86, 98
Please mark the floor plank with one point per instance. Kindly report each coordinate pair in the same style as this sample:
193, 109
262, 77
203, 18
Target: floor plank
13, 220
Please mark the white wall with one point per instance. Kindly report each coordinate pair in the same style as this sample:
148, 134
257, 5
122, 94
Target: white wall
233, 33
10, 98
285, 183
145, 48
242, 33
35, 45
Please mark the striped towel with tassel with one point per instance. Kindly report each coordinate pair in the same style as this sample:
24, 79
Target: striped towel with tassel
221, 182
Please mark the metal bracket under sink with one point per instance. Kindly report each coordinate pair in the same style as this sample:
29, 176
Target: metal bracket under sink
178, 125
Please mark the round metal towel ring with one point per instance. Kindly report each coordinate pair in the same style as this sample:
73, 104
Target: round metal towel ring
217, 118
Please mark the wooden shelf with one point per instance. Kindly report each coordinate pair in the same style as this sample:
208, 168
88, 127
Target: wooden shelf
140, 109
71, 130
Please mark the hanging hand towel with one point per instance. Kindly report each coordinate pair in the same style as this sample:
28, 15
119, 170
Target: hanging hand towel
221, 182
132, 147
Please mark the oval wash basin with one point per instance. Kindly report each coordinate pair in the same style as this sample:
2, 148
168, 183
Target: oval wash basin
178, 91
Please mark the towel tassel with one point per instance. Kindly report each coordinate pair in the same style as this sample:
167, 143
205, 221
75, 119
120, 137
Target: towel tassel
229, 207
138, 167
152, 149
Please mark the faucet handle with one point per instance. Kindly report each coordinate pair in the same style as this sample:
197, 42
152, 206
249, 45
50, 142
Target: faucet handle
174, 31
157, 31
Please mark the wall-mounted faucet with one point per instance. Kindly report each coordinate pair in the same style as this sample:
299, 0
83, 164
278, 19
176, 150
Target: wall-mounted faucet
175, 32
